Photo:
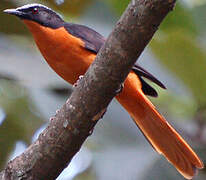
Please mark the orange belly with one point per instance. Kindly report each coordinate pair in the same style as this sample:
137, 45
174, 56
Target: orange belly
63, 52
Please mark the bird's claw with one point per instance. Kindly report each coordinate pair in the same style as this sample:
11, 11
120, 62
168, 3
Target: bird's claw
119, 90
76, 83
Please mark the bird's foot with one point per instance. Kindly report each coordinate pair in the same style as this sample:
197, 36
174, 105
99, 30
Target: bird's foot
76, 83
119, 90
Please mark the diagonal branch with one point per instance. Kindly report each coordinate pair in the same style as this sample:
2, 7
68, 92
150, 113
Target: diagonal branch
72, 124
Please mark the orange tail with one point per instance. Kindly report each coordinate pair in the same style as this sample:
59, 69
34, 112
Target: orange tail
157, 130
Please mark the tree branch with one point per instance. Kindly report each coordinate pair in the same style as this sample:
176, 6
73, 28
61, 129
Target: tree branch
72, 124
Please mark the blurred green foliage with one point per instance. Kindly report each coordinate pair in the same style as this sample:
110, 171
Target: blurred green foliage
178, 47
181, 107
21, 118
199, 14
180, 52
180, 18
70, 7
10, 25
118, 5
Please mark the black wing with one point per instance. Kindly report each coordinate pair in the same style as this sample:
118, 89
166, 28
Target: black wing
146, 88
92, 39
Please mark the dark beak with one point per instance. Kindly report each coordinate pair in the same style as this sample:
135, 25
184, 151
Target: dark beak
14, 12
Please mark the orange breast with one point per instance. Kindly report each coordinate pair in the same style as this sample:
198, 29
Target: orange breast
63, 52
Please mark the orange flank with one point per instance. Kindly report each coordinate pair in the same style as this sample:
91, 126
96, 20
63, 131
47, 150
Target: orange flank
70, 49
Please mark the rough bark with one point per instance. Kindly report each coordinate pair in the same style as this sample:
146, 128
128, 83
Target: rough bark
73, 123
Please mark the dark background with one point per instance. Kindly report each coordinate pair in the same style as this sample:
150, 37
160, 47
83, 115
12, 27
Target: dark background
30, 92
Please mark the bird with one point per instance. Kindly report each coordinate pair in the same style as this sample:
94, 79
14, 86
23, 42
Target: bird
70, 48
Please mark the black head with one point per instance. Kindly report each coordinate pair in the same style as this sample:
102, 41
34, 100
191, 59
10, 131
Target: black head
37, 13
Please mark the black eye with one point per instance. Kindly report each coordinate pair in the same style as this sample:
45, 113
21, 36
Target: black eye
35, 11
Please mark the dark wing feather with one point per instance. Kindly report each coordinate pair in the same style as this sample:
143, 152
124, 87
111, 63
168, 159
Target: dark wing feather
92, 39
142, 72
146, 88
